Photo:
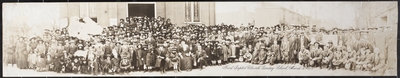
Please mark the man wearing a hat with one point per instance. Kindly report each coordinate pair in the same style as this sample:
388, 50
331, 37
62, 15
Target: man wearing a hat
215, 51
108, 47
72, 48
275, 48
315, 55
328, 55
304, 56
161, 57
256, 51
262, 55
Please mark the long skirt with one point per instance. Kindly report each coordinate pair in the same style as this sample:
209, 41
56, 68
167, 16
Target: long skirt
11, 59
139, 62
186, 63
221, 57
85, 69
150, 60
214, 57
57, 65
41, 64
32, 60
159, 63
22, 61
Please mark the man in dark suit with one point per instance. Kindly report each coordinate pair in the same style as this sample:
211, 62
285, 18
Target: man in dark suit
161, 57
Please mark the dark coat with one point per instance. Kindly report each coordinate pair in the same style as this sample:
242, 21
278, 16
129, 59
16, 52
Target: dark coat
72, 48
22, 54
150, 57
140, 54
161, 56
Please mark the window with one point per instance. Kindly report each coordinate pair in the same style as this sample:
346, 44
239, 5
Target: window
192, 14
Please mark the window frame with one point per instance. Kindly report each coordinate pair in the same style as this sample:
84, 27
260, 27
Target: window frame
192, 13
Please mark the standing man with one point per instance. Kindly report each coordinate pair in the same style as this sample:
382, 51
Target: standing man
276, 50
379, 63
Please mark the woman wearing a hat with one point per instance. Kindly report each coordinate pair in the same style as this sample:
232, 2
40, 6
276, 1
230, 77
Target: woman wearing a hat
41, 48
125, 60
149, 58
32, 44
21, 54
139, 58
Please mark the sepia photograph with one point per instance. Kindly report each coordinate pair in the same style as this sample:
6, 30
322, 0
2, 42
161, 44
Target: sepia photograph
119, 39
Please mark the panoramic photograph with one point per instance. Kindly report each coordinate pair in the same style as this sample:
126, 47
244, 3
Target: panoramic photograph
200, 39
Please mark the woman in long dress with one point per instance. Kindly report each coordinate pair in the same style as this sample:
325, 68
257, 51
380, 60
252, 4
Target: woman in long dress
150, 59
22, 54
11, 56
139, 57
186, 63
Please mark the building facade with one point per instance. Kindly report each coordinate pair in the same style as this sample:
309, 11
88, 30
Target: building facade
378, 14
107, 14
270, 15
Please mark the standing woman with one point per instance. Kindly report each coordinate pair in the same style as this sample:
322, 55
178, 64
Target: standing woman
58, 56
41, 47
150, 58
32, 44
11, 56
41, 56
22, 53
139, 57
132, 50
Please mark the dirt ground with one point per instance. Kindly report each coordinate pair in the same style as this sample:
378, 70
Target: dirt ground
233, 69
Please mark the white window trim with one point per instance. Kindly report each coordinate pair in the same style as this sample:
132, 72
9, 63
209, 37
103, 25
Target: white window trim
192, 14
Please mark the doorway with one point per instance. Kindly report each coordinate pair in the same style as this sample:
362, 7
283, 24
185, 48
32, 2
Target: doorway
141, 9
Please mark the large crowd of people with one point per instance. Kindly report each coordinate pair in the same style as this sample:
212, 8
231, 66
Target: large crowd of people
155, 44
